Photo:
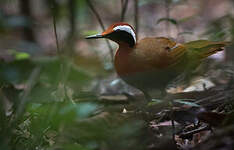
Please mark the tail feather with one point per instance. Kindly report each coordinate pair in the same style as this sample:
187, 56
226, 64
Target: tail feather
204, 48
211, 51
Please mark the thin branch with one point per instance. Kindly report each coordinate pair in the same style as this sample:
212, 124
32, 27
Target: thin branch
25, 9
189, 134
71, 37
136, 20
55, 32
124, 5
103, 28
73, 14
64, 68
29, 85
96, 14
167, 7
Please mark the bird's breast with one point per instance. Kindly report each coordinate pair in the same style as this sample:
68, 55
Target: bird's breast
127, 62
138, 71
123, 62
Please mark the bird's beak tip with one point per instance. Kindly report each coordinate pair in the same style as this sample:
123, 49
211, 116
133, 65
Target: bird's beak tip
94, 36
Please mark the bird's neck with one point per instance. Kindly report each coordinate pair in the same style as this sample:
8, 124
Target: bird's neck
125, 47
123, 63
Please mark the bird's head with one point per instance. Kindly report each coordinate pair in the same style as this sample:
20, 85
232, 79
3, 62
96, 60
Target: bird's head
119, 33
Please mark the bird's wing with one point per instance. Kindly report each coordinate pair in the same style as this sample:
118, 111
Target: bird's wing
163, 53
198, 50
160, 52
201, 49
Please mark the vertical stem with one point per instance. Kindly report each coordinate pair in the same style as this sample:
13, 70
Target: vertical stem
96, 14
54, 11
26, 12
172, 120
56, 35
167, 7
136, 12
64, 66
29, 85
173, 128
72, 5
72, 9
103, 28
124, 5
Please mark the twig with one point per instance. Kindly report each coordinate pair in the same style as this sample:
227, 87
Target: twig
71, 37
167, 7
72, 19
64, 68
124, 5
172, 121
96, 14
173, 128
189, 134
55, 33
29, 85
27, 13
103, 28
136, 16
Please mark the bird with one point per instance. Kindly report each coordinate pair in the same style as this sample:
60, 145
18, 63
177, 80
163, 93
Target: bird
153, 62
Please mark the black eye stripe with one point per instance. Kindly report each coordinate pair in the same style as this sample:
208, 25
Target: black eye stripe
122, 35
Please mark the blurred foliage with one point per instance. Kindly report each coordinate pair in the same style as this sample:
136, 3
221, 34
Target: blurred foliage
221, 29
54, 117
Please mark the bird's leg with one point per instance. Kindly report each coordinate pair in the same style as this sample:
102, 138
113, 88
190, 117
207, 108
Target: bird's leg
172, 116
173, 126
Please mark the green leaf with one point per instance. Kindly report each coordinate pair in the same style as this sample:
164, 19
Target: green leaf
186, 32
185, 101
154, 102
89, 32
22, 55
171, 20
19, 55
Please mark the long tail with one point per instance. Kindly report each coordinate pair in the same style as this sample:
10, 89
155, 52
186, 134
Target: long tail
204, 48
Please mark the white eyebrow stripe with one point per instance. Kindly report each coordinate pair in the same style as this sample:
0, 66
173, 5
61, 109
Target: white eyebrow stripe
127, 29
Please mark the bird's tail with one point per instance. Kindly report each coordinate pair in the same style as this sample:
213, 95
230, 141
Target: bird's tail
204, 48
